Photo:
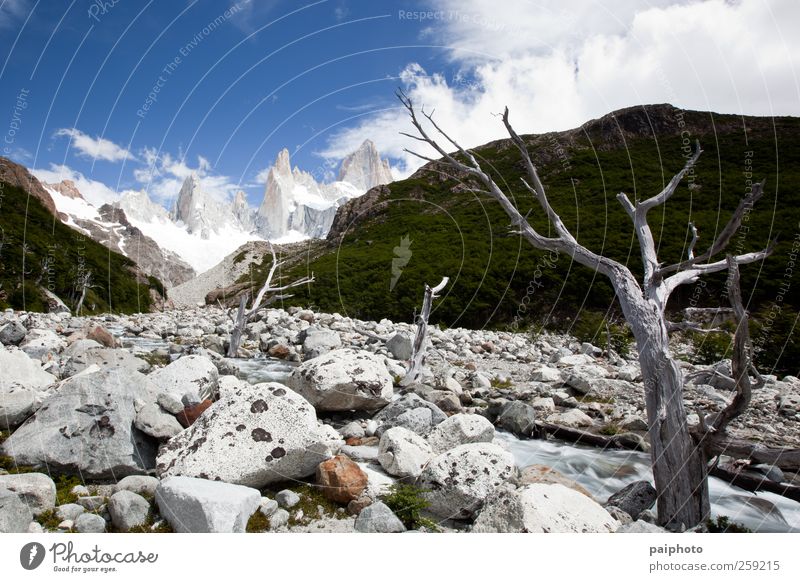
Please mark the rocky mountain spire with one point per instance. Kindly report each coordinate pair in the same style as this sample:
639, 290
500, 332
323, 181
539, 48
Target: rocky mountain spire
364, 168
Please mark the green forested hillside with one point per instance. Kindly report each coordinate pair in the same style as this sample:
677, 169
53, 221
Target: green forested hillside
31, 237
498, 280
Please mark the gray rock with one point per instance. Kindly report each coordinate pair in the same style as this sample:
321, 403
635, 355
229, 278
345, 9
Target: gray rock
771, 472
141, 484
42, 344
279, 519
638, 527
152, 420
69, 511
92, 502
201, 506
128, 510
12, 333
37, 490
15, 515
35, 527
89, 523
268, 506
634, 498
87, 428
360, 453
460, 429
352, 430
254, 436
411, 412
170, 403
403, 453
85, 353
378, 518
187, 375
344, 379
518, 418
21, 381
400, 345
543, 508
287, 498
459, 480
320, 341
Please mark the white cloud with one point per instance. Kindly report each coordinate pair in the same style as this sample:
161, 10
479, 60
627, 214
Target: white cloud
95, 148
93, 191
555, 66
164, 174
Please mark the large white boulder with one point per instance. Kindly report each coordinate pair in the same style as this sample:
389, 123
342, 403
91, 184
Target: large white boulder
254, 436
345, 379
460, 429
86, 427
190, 375
201, 506
22, 381
543, 508
403, 453
15, 515
42, 344
459, 480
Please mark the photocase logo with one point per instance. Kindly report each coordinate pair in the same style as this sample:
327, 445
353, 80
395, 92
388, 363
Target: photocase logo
31, 555
402, 254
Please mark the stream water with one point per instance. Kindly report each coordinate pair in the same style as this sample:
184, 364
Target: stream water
605, 472
601, 472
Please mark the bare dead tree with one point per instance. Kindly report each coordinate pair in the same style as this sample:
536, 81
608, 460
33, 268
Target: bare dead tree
678, 464
244, 314
420, 345
84, 283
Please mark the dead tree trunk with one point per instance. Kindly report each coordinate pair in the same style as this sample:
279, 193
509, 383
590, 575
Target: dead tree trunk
245, 315
85, 282
678, 464
420, 345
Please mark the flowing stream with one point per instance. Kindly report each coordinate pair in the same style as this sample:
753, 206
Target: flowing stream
603, 472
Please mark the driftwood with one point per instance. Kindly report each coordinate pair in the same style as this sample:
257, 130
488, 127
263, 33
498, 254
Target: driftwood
679, 467
420, 345
577, 436
750, 482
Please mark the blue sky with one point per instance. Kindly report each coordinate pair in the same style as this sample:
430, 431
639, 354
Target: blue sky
237, 82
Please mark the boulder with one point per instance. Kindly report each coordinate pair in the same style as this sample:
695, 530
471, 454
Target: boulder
102, 336
340, 479
153, 421
517, 417
640, 527
400, 345
15, 515
187, 375
12, 333
571, 418
378, 518
634, 498
141, 484
459, 480
403, 453
460, 429
255, 436
543, 474
543, 508
128, 510
21, 384
36, 490
412, 412
85, 353
546, 374
287, 498
87, 428
320, 341
69, 511
89, 523
344, 379
42, 344
201, 506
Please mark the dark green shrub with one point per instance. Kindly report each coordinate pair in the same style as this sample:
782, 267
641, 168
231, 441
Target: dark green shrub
724, 525
710, 348
591, 327
407, 502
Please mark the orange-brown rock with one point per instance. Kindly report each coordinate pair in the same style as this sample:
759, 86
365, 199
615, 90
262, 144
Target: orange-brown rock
544, 474
192, 413
102, 336
340, 479
279, 351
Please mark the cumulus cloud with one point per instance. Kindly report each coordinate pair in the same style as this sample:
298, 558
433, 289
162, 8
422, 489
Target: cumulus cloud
95, 148
557, 65
163, 175
94, 192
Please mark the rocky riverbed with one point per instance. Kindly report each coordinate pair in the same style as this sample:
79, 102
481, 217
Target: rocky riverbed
139, 423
